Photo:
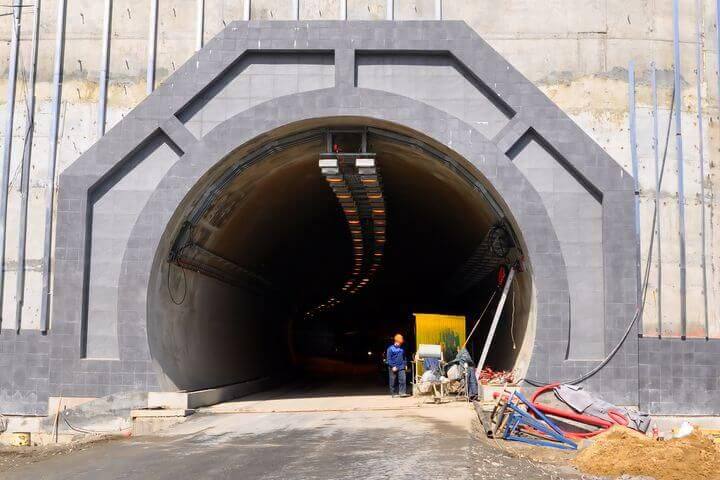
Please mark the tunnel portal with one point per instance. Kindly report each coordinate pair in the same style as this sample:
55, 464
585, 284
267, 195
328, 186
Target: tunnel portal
199, 243
266, 273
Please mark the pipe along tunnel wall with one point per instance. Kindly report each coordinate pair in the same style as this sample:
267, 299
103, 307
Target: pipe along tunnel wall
274, 244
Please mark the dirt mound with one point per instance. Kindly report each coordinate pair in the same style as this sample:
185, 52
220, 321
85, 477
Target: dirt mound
622, 451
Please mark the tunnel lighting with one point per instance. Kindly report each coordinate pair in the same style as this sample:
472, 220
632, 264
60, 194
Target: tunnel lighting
351, 181
365, 162
328, 162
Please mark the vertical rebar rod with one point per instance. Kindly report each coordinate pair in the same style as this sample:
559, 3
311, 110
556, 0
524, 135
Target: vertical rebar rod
390, 13
636, 179
343, 9
25, 172
50, 184
717, 44
701, 156
104, 68
152, 46
7, 142
656, 152
681, 167
200, 27
439, 9
246, 10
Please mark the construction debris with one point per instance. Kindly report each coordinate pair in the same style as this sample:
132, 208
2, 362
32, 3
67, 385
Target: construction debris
621, 451
488, 376
587, 410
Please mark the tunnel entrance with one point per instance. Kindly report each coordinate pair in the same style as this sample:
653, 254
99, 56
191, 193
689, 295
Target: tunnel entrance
252, 278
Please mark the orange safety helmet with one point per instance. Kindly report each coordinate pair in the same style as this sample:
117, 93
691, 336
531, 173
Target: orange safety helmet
399, 338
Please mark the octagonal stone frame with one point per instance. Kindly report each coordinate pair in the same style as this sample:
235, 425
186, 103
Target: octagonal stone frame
69, 374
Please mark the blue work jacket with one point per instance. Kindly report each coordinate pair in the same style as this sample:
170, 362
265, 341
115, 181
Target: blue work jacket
395, 356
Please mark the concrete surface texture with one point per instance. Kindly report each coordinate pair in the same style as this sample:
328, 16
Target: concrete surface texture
575, 52
202, 348
388, 439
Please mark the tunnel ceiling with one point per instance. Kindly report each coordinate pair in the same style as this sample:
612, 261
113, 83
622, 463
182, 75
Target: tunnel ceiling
280, 221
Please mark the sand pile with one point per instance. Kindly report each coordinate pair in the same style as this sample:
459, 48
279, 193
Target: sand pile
622, 451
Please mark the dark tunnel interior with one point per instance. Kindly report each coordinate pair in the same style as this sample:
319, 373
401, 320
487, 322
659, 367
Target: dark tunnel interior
274, 244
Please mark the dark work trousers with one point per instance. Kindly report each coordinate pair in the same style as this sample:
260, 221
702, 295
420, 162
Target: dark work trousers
472, 385
398, 377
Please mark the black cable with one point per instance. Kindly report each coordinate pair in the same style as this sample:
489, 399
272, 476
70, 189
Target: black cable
185, 289
641, 307
92, 432
172, 298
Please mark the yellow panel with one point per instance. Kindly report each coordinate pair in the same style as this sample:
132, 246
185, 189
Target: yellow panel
445, 330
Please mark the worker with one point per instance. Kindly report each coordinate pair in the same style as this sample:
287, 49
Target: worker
395, 357
464, 359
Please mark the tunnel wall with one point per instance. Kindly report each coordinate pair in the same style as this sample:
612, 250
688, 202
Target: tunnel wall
491, 158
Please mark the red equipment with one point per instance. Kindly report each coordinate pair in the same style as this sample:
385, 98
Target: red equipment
617, 417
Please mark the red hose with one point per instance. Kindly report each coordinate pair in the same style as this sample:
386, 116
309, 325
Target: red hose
617, 417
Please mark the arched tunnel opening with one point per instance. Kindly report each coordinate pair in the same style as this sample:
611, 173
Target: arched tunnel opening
254, 276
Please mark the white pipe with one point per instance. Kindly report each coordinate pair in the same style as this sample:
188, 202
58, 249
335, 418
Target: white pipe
296, 9
25, 173
636, 178
681, 167
152, 46
343, 9
701, 159
496, 319
390, 10
104, 68
246, 11
50, 186
7, 143
200, 15
438, 10
658, 241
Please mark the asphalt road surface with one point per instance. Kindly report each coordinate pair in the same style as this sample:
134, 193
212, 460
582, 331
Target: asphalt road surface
362, 437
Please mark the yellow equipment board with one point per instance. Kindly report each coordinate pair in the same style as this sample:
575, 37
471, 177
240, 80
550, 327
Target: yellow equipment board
448, 331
